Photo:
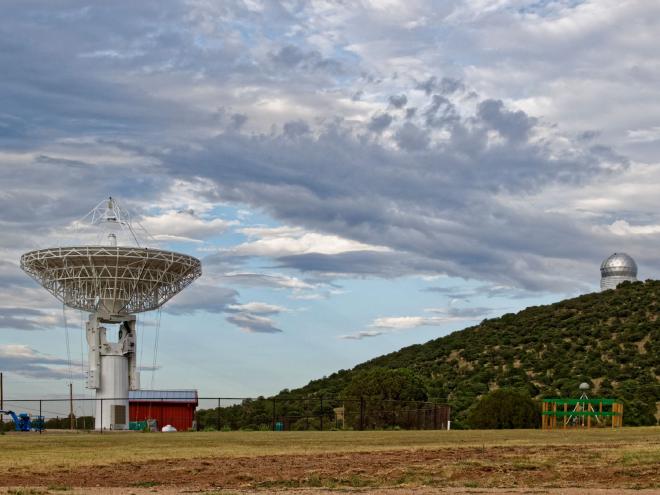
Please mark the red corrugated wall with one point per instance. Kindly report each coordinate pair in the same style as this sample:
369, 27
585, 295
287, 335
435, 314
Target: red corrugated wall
179, 415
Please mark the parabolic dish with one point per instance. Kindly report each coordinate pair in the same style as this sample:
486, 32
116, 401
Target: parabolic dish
113, 280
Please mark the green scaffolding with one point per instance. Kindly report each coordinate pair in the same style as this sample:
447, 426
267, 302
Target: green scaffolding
564, 413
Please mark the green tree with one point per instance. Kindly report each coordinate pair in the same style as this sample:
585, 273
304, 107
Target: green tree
386, 384
504, 408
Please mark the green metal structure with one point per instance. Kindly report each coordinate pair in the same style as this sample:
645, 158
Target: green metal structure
566, 413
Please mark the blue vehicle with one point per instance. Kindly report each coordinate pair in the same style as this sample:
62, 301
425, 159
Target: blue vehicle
23, 422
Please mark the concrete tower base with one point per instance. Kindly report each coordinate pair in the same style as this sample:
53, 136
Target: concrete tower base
112, 370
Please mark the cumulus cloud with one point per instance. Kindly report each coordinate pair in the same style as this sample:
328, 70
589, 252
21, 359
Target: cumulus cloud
22, 318
362, 334
497, 173
276, 281
438, 317
623, 228
251, 323
183, 225
259, 308
284, 241
411, 138
438, 204
25, 361
202, 297
406, 322
380, 122
254, 317
398, 101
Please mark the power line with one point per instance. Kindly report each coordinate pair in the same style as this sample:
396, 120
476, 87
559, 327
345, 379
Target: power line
68, 345
155, 355
142, 330
82, 356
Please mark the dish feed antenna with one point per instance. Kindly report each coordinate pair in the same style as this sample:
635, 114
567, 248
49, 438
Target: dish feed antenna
112, 282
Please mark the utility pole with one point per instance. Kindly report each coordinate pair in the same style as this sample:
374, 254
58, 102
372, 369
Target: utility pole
2, 404
71, 416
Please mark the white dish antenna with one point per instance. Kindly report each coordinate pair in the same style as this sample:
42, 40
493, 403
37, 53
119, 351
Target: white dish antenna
113, 277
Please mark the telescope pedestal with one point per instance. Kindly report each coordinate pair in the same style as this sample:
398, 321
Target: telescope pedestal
112, 370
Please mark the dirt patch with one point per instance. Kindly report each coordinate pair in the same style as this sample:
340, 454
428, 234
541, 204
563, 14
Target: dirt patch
326, 491
491, 467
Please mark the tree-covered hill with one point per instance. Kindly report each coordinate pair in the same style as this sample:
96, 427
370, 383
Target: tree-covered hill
609, 339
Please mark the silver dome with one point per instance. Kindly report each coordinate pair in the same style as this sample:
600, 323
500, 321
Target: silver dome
619, 267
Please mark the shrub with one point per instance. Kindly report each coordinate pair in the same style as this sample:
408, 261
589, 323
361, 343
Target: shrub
503, 409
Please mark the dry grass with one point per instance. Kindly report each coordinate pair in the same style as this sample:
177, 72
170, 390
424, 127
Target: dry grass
625, 458
57, 449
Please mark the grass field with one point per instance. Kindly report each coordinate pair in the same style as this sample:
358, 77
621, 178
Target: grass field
627, 458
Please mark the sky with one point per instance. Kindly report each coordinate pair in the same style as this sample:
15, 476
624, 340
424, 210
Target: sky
355, 177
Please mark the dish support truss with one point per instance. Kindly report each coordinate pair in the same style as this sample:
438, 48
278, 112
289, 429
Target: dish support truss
111, 280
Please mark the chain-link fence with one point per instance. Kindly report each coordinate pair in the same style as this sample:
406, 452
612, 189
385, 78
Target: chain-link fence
225, 413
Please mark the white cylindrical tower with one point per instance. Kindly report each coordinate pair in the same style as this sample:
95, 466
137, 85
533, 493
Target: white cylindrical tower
112, 370
113, 390
620, 267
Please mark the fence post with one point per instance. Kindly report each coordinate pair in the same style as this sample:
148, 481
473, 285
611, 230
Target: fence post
101, 416
321, 412
361, 413
218, 416
435, 416
42, 419
273, 413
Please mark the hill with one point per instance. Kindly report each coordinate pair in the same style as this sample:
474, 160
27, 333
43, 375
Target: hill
609, 339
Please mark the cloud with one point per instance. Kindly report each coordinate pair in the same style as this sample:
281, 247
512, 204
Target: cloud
380, 122
488, 290
389, 324
22, 318
293, 57
259, 308
411, 138
253, 317
201, 296
398, 101
25, 361
276, 281
514, 126
445, 85
407, 322
443, 208
251, 323
283, 241
369, 262
623, 228
363, 334
183, 225
252, 107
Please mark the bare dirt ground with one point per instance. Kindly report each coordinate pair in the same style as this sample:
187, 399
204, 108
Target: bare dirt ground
626, 464
326, 491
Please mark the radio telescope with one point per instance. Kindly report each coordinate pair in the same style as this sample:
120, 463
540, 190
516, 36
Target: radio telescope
111, 282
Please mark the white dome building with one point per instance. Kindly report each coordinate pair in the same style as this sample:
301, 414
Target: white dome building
620, 267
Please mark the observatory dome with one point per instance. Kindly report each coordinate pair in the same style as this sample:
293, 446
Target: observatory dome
620, 267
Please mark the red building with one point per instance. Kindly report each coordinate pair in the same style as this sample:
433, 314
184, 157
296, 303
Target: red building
167, 407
